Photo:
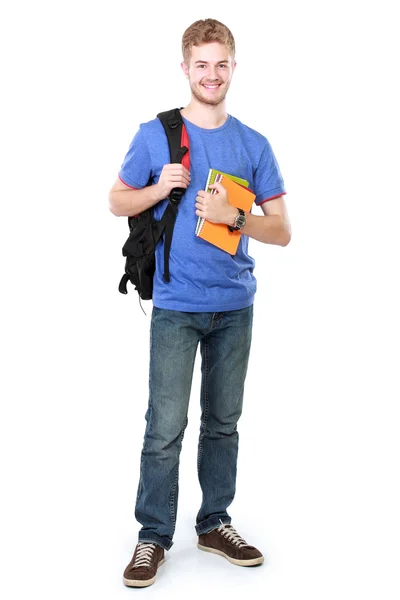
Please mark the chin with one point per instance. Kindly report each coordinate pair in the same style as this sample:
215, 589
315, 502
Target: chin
205, 99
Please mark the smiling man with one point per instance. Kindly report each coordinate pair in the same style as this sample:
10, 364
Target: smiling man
208, 302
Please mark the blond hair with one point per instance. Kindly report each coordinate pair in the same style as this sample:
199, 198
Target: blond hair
204, 32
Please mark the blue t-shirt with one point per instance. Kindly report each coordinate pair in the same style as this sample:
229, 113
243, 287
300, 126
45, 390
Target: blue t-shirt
204, 278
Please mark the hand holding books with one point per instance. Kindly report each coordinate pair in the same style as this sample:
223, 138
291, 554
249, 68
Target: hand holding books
214, 206
234, 191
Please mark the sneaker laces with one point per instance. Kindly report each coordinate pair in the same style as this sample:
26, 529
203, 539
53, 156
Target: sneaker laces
144, 554
230, 533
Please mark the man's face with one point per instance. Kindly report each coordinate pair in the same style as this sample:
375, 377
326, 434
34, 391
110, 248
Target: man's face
209, 72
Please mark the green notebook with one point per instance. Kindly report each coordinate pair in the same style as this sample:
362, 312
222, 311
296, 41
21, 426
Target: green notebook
213, 175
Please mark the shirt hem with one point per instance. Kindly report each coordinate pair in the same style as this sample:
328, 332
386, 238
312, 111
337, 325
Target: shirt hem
183, 307
124, 180
278, 191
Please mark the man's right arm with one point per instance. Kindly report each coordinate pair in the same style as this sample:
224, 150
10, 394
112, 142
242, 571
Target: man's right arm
125, 201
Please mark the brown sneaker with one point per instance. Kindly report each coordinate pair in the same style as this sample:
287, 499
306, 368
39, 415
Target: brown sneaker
142, 569
226, 541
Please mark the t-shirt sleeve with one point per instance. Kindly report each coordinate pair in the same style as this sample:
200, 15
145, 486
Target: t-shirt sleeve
136, 167
268, 181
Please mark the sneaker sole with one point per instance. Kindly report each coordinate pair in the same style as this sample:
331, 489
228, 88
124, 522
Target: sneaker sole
142, 582
235, 561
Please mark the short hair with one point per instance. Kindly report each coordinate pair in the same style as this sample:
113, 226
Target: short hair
206, 31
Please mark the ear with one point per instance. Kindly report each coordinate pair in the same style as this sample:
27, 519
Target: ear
233, 66
185, 69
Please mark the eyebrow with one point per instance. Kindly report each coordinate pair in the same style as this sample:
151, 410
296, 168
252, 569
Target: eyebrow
205, 62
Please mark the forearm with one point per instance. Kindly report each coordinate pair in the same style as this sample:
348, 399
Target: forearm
269, 229
127, 203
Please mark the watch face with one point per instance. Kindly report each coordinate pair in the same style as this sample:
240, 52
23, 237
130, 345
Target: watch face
240, 221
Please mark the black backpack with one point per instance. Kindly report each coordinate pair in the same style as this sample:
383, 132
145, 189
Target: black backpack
145, 230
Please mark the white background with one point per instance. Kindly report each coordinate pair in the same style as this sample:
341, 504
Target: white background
318, 472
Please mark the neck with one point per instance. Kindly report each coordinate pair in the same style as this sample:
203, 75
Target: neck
205, 115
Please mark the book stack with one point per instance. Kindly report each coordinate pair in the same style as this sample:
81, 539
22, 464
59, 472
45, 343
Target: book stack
239, 196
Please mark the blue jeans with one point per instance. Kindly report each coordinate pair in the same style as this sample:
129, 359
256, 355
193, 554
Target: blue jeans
225, 339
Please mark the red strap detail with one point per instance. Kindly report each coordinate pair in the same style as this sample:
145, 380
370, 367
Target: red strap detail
185, 142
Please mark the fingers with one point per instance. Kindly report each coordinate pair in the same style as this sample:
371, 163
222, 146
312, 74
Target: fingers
218, 187
173, 175
177, 174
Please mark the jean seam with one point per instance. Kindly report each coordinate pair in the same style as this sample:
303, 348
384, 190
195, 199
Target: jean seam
148, 425
206, 404
172, 510
172, 497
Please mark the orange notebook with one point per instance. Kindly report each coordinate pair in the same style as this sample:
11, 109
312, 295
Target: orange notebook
218, 233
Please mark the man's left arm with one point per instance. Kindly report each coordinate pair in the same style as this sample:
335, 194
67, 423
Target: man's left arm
273, 227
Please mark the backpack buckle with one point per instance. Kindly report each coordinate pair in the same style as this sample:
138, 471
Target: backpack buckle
176, 195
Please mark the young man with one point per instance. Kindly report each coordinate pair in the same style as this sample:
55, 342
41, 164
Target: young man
209, 301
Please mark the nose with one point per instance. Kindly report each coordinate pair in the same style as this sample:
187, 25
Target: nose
212, 74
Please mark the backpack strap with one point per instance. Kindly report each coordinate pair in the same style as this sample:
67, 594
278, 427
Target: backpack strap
174, 128
173, 123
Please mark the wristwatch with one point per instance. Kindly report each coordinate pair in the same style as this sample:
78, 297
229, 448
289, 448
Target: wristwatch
240, 221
